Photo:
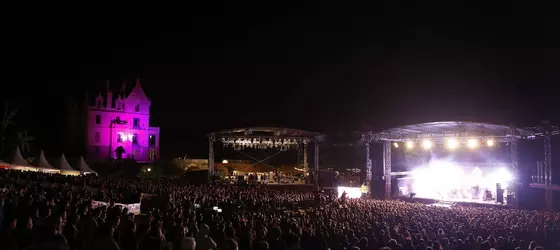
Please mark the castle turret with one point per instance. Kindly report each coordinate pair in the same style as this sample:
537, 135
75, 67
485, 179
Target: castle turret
119, 104
110, 99
109, 95
99, 101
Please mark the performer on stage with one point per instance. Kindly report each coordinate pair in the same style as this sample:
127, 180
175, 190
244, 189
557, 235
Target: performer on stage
476, 192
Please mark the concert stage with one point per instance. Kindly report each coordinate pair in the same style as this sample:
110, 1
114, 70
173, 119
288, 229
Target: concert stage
476, 159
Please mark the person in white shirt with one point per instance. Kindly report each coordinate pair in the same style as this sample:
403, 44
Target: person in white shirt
204, 242
188, 243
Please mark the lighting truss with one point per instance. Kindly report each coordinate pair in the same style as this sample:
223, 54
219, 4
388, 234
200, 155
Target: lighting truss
440, 131
283, 144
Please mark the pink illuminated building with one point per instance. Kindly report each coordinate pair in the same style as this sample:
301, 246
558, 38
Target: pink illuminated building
118, 126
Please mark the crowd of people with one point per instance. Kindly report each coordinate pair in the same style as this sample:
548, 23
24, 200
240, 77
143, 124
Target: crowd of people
46, 211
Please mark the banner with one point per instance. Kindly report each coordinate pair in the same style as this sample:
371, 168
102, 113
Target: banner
95, 204
133, 208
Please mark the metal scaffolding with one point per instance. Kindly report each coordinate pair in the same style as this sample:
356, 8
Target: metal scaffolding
514, 162
369, 167
211, 165
548, 172
387, 168
544, 169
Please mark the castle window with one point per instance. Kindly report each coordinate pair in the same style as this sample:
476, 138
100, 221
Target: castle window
137, 108
119, 138
136, 122
98, 119
135, 139
97, 137
152, 155
99, 104
152, 141
97, 151
118, 106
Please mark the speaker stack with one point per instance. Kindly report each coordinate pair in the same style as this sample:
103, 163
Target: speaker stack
499, 193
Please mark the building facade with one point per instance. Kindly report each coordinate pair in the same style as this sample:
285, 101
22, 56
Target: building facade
118, 126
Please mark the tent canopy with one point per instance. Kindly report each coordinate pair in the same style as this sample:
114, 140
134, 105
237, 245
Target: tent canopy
43, 163
63, 164
18, 160
82, 166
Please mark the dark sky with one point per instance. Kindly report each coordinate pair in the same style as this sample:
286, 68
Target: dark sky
315, 66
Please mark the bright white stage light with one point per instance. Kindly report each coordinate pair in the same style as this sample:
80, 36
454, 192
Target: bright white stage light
472, 143
505, 175
442, 179
353, 193
490, 143
410, 145
426, 144
396, 145
452, 144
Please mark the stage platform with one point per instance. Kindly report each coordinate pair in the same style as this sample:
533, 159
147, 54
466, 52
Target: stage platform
458, 202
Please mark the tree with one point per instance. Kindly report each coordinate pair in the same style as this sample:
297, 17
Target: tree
23, 140
8, 119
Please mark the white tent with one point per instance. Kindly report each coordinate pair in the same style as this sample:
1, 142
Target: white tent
18, 159
82, 166
63, 164
43, 163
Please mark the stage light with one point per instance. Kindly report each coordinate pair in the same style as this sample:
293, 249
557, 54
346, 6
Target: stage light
490, 143
396, 145
410, 145
351, 192
426, 144
452, 143
505, 175
472, 143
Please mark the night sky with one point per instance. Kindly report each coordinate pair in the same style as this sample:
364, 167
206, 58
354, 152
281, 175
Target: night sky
314, 66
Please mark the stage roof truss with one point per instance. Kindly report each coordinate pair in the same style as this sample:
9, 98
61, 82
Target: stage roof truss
266, 137
268, 131
263, 142
439, 131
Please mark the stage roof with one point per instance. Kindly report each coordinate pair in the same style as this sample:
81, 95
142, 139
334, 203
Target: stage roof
267, 131
446, 129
